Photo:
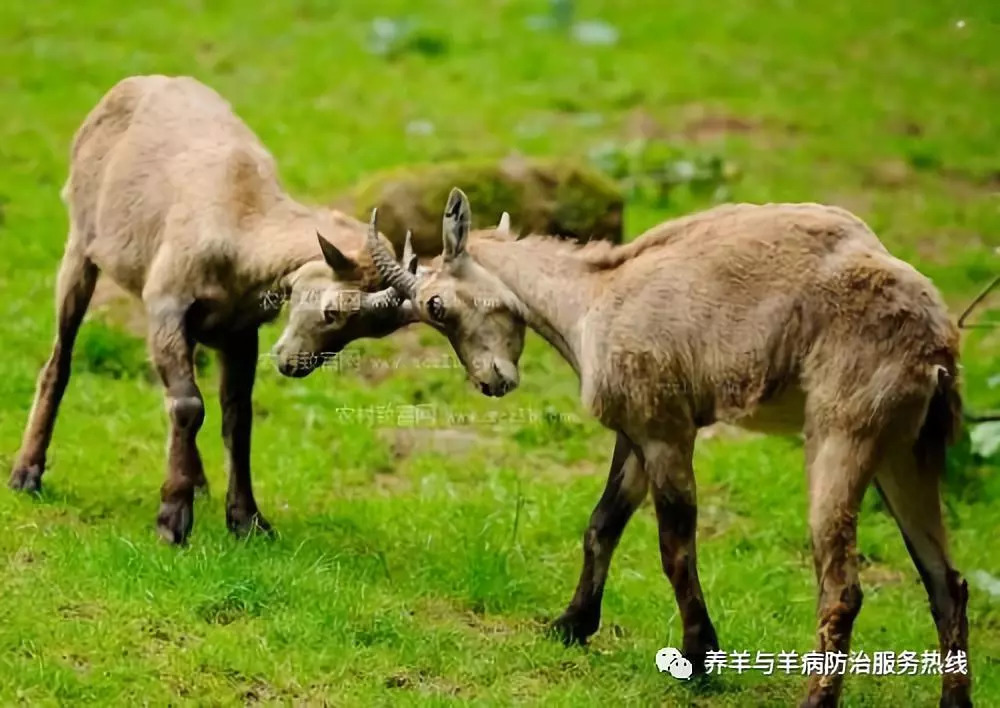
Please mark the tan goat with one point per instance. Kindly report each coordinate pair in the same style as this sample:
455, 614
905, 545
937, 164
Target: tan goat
174, 198
776, 317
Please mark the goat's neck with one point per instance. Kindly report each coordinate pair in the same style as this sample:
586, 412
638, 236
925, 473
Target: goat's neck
283, 240
553, 289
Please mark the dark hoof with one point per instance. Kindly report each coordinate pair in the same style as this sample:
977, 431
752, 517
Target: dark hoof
26, 478
174, 521
696, 649
961, 700
573, 629
697, 659
245, 523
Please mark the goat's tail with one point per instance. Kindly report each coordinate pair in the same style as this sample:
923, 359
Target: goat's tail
943, 423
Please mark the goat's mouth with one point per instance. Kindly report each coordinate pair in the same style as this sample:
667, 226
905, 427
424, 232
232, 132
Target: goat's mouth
302, 364
496, 381
497, 388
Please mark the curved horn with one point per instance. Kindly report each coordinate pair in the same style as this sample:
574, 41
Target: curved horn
409, 257
388, 269
387, 299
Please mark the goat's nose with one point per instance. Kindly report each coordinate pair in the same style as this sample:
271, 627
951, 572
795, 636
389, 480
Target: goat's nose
503, 384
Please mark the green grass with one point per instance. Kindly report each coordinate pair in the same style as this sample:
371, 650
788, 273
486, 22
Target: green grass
421, 575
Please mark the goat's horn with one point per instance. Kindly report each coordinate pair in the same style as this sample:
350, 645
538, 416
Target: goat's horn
388, 269
504, 226
382, 300
409, 257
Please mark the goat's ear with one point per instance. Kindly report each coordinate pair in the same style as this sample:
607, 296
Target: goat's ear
456, 224
341, 264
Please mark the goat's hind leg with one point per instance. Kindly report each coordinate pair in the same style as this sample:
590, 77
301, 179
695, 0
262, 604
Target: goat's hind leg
172, 350
239, 366
627, 486
840, 467
910, 485
74, 288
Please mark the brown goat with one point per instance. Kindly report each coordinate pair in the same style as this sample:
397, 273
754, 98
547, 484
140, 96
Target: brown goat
174, 198
778, 317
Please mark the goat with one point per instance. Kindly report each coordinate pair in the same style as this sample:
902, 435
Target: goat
174, 198
776, 317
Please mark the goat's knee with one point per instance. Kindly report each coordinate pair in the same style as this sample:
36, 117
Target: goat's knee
187, 413
837, 614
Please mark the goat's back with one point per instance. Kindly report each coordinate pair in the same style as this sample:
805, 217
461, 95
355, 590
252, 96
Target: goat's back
158, 151
728, 307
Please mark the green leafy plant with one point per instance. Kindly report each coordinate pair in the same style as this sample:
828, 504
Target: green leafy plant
651, 171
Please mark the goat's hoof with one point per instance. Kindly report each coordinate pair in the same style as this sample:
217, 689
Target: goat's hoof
956, 700
573, 629
26, 478
174, 521
244, 523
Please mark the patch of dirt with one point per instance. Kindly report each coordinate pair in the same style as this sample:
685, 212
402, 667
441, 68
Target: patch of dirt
877, 575
908, 127
407, 442
161, 632
118, 307
77, 662
390, 483
440, 611
712, 126
725, 431
891, 174
79, 610
969, 186
716, 520
426, 683
23, 558
575, 470
641, 125
252, 689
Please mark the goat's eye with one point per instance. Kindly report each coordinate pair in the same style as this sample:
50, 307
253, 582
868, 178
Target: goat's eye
435, 308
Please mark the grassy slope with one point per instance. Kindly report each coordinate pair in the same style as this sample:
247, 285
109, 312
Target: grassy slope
422, 577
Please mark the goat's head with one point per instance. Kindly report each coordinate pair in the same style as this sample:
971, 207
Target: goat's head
327, 311
464, 301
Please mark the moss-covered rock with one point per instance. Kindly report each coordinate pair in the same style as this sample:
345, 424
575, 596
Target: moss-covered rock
543, 196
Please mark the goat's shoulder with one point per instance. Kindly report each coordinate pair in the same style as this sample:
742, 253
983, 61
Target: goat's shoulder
115, 110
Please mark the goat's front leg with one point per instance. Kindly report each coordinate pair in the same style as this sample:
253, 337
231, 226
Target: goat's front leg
239, 366
626, 488
671, 478
172, 348
74, 287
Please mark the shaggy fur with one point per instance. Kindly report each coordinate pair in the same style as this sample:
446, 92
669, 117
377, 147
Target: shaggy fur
174, 198
779, 318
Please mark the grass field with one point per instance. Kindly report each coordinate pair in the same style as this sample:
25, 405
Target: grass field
416, 563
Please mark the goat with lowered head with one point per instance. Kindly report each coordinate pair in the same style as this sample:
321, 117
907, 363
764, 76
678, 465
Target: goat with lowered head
778, 318
174, 198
